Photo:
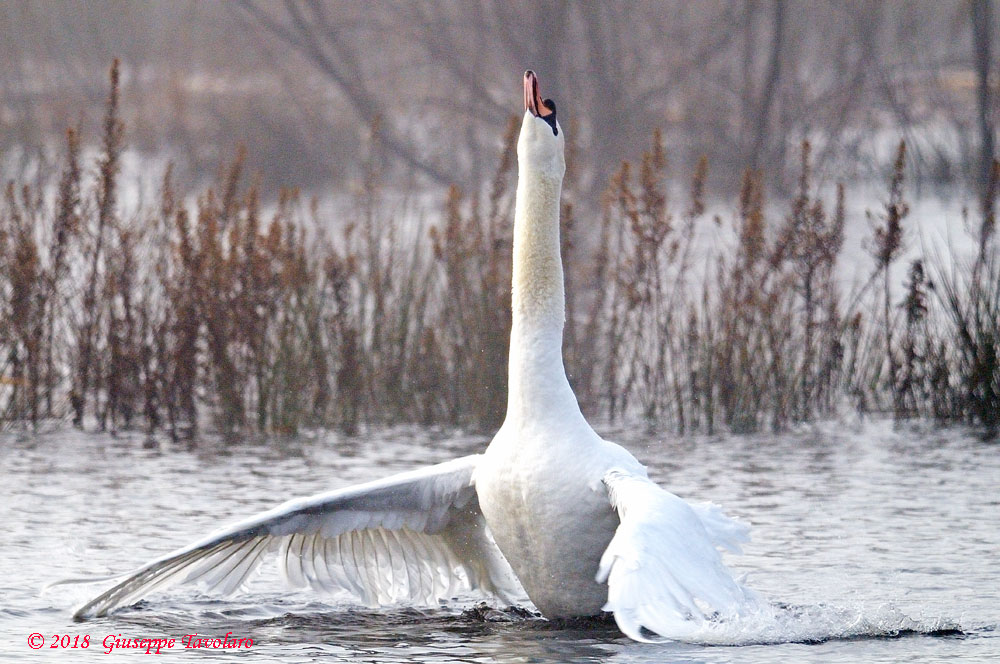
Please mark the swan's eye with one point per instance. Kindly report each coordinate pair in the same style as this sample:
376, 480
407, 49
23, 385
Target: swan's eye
551, 117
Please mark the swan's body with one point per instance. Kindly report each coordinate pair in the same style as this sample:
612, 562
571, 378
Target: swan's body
550, 507
551, 532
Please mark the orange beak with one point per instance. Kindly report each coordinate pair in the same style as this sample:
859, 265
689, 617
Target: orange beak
533, 97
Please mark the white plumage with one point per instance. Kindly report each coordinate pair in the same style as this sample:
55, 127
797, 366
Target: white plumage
417, 536
662, 567
550, 509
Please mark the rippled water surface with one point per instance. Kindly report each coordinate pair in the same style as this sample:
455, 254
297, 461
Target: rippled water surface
873, 545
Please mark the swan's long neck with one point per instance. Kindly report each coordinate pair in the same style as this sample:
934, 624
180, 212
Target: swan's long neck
538, 388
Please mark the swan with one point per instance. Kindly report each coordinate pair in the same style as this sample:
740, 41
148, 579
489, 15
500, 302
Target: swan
550, 510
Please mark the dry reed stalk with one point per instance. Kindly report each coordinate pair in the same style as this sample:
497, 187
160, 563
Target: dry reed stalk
106, 198
888, 241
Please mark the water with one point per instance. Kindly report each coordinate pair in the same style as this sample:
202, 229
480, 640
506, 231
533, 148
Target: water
874, 545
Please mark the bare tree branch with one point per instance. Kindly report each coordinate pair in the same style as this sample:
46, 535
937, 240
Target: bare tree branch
303, 36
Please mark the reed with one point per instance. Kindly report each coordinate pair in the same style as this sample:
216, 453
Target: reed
178, 317
967, 367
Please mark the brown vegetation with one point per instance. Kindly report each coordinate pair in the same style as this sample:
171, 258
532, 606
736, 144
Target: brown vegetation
179, 315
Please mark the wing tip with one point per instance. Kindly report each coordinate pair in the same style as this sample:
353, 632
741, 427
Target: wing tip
84, 613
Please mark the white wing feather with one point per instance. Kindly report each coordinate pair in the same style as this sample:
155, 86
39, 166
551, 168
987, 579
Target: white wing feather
663, 570
418, 536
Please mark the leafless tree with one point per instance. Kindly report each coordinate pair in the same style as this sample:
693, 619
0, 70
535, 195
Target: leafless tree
304, 83
982, 37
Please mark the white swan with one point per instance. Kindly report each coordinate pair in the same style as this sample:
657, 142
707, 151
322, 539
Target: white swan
550, 507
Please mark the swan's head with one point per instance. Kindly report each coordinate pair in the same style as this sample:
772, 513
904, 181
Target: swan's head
540, 146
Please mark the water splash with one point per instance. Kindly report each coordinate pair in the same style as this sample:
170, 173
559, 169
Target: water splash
775, 623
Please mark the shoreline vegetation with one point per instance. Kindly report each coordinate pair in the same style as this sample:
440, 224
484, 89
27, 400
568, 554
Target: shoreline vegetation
176, 316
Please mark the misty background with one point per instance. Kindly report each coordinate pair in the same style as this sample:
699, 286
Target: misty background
425, 88
266, 215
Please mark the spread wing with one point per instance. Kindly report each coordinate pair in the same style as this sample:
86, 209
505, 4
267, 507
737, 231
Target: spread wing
663, 569
418, 536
